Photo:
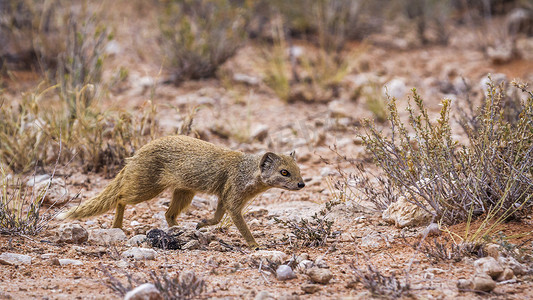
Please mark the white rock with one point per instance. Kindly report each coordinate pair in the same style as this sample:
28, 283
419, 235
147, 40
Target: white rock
247, 79
284, 272
497, 79
107, 236
395, 88
276, 257
431, 230
140, 253
38, 179
489, 266
513, 264
404, 213
259, 132
136, 240
146, 291
70, 262
71, 233
321, 263
113, 48
135, 223
14, 259
304, 265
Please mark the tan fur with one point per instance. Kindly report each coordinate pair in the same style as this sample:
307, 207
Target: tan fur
187, 166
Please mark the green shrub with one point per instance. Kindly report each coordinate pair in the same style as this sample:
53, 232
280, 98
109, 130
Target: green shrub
199, 36
491, 175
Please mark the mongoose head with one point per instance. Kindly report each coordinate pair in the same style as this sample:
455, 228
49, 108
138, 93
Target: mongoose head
281, 171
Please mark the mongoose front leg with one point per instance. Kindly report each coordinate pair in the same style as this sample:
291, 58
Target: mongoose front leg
119, 215
219, 213
238, 220
180, 200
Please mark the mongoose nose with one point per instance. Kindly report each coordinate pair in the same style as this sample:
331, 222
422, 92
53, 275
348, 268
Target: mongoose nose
301, 185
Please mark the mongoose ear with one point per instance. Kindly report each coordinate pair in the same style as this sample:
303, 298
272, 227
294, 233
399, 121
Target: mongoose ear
293, 154
268, 161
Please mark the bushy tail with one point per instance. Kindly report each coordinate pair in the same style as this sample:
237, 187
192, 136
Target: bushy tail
99, 204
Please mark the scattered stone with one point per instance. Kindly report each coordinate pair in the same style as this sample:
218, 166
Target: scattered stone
247, 79
191, 245
259, 132
321, 263
520, 20
501, 53
263, 295
140, 253
106, 236
507, 274
57, 188
432, 230
67, 262
71, 233
395, 88
465, 284
146, 291
493, 250
310, 288
489, 266
404, 213
510, 262
284, 272
337, 109
370, 240
305, 264
14, 259
48, 255
317, 275
483, 282
216, 246
136, 240
276, 257
135, 223
497, 79
302, 257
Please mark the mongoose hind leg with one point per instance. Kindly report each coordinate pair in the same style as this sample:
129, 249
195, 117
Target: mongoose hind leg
219, 213
119, 215
180, 200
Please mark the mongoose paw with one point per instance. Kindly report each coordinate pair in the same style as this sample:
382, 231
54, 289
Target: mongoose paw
201, 224
256, 247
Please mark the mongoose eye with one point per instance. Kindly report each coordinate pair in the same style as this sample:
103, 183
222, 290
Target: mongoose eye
285, 173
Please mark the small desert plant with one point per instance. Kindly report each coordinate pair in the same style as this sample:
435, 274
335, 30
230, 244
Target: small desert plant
302, 73
381, 285
445, 249
21, 210
177, 286
312, 232
490, 176
198, 36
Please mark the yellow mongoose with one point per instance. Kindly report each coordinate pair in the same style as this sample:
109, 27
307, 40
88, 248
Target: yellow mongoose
188, 165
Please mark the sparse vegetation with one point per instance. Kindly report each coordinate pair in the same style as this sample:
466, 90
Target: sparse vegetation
311, 232
379, 284
490, 176
198, 36
176, 286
